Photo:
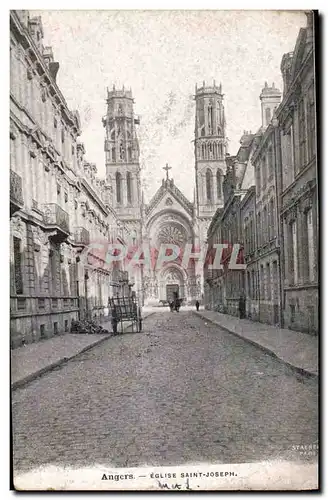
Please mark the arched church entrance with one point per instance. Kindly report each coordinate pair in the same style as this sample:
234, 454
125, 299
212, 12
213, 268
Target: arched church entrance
170, 227
172, 281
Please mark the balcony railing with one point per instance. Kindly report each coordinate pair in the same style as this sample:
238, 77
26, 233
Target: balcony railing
16, 191
82, 236
54, 215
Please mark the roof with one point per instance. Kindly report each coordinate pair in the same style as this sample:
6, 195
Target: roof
168, 186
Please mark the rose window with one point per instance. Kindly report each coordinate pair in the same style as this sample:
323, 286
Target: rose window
172, 235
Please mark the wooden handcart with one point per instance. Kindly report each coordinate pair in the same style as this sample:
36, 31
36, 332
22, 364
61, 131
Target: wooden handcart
125, 309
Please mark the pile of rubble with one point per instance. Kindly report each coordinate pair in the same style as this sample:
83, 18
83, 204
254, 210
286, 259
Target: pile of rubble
87, 327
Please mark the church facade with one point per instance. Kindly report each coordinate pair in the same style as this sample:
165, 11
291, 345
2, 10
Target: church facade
169, 219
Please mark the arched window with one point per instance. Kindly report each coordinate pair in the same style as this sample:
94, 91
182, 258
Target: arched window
118, 187
218, 184
112, 135
210, 118
209, 185
113, 155
203, 151
129, 187
267, 116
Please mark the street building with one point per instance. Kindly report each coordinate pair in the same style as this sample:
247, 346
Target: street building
266, 260
276, 220
299, 211
58, 205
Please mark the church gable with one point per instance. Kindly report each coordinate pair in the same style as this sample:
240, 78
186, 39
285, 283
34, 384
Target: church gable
169, 197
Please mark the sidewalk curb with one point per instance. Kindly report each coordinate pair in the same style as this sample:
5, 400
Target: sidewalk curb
52, 366
299, 370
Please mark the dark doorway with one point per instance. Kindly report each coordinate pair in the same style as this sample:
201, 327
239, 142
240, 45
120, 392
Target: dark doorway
172, 292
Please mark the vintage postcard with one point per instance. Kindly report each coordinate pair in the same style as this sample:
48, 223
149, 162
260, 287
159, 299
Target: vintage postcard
164, 250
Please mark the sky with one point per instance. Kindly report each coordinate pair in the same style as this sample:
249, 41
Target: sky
161, 55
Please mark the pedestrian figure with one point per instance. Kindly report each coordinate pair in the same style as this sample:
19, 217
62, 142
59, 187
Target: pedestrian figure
114, 320
197, 305
242, 307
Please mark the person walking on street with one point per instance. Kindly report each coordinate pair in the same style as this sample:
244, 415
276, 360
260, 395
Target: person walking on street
197, 305
242, 307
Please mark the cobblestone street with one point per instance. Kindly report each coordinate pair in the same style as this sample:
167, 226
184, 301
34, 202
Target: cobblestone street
182, 391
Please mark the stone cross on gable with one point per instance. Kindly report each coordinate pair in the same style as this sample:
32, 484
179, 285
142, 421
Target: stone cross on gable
167, 168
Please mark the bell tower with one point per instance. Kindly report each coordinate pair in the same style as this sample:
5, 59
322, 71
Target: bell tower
122, 154
210, 149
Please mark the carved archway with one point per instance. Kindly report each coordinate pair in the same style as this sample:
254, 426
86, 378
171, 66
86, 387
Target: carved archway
172, 274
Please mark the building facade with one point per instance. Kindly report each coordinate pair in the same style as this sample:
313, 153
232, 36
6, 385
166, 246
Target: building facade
58, 206
266, 160
224, 287
279, 213
299, 214
170, 218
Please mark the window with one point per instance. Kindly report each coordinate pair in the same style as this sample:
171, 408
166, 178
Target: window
265, 224
275, 284
264, 172
66, 197
42, 331
63, 135
58, 188
311, 122
53, 267
310, 244
268, 281
73, 150
210, 118
253, 285
262, 290
66, 325
272, 229
113, 155
118, 187
55, 122
259, 229
294, 260
267, 116
219, 184
129, 187
270, 161
302, 134
251, 235
18, 266
208, 185
55, 328
258, 179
